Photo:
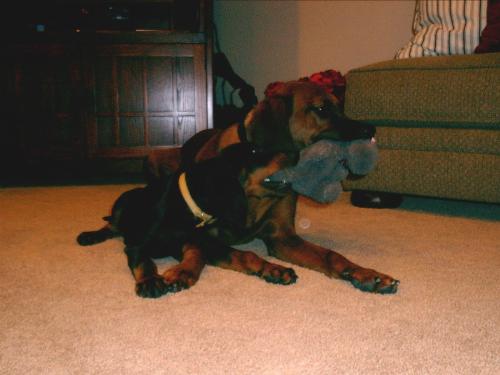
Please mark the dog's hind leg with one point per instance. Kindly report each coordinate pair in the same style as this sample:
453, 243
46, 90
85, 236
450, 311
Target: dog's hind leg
97, 236
187, 272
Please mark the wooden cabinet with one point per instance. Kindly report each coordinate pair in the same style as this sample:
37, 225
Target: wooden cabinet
145, 96
42, 92
101, 88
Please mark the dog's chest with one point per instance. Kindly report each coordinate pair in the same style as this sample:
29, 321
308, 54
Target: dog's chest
260, 199
260, 202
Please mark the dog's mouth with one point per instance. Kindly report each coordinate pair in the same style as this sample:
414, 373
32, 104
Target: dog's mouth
278, 186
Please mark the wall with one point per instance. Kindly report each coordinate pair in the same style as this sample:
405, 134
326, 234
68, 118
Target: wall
268, 41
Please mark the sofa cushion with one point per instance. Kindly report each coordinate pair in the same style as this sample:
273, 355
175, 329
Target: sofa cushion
445, 27
453, 175
474, 141
444, 91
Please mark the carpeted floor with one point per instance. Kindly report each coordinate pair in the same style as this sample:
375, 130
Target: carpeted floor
67, 309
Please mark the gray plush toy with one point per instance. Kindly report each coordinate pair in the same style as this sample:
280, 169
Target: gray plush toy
323, 165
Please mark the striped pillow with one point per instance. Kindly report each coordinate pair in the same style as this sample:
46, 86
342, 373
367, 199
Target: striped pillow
445, 27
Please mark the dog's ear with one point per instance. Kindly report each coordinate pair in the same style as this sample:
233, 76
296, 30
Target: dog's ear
268, 123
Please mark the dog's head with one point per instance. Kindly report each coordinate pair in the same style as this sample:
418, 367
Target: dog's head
298, 114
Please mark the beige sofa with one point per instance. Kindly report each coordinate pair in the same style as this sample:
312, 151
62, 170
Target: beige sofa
438, 125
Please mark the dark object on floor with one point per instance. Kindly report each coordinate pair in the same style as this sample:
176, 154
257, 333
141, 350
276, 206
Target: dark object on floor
375, 199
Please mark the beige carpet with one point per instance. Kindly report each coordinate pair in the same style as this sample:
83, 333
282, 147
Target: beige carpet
67, 309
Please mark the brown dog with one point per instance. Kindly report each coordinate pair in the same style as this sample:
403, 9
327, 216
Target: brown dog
297, 116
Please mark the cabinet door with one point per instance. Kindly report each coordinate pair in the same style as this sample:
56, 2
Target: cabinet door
145, 97
42, 91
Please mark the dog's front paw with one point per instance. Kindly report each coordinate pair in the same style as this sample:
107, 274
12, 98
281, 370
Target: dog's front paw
152, 287
369, 280
279, 275
178, 278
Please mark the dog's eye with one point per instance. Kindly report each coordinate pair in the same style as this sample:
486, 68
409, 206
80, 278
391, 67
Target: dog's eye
323, 111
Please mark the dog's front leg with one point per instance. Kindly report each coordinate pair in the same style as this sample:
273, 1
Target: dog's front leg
221, 255
148, 283
296, 250
283, 243
187, 272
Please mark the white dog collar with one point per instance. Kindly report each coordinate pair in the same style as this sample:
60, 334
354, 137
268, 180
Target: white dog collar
197, 211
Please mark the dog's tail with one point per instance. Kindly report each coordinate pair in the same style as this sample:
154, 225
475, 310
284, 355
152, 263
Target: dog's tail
96, 236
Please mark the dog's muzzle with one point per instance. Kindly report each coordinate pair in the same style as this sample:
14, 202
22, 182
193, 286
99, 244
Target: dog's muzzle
344, 129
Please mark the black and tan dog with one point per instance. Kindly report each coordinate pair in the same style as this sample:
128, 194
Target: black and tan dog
181, 214
299, 114
280, 126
